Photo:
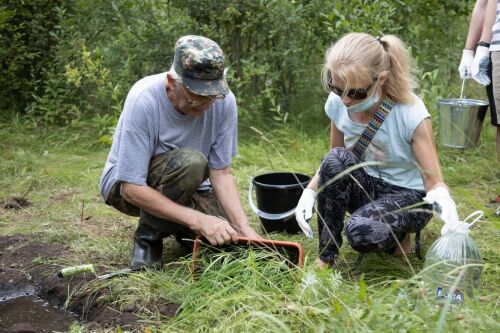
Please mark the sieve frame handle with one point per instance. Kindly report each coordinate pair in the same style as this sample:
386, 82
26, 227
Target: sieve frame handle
286, 216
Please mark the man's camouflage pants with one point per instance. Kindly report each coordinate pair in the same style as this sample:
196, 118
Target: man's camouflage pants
176, 174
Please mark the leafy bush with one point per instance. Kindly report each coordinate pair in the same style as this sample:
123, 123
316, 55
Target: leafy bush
27, 42
106, 47
275, 49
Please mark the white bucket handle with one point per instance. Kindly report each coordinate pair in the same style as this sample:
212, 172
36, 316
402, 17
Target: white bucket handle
479, 214
268, 216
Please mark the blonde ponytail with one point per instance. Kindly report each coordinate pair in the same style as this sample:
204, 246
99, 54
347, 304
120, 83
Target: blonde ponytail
401, 82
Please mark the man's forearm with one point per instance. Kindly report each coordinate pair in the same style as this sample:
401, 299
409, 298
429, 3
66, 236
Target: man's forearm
214, 229
159, 205
226, 191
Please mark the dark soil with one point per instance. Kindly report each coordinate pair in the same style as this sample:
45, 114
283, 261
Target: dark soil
15, 203
24, 274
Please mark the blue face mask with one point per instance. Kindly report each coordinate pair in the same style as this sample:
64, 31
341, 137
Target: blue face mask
336, 102
366, 105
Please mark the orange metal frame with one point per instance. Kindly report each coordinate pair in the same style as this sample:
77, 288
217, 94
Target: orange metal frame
263, 243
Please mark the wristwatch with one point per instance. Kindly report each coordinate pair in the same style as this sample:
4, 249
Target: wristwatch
483, 43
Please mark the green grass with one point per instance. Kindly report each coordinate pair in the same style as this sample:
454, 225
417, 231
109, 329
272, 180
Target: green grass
58, 171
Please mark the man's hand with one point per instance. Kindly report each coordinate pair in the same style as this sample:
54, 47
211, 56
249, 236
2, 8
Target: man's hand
479, 65
215, 230
464, 67
226, 191
304, 210
248, 232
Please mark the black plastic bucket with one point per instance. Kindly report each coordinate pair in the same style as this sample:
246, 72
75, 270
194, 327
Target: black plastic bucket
277, 196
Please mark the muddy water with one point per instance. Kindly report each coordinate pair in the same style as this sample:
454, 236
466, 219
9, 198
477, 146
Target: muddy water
32, 314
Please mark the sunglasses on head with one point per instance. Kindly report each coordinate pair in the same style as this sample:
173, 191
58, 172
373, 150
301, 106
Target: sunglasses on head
358, 93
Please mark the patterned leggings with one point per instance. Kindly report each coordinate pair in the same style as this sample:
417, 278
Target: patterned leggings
376, 208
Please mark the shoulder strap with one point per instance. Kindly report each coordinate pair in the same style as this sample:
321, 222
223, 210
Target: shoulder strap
371, 129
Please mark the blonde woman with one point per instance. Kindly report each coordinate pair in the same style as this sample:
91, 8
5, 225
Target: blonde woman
362, 71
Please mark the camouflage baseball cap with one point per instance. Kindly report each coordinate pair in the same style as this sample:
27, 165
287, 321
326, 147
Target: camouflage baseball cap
199, 61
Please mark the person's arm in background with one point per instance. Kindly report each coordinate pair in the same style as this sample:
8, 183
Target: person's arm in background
226, 191
489, 20
473, 36
476, 24
480, 63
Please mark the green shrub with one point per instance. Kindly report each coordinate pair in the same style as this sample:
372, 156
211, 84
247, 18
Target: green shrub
27, 42
78, 61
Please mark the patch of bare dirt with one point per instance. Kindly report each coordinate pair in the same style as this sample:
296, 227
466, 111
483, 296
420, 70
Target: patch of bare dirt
23, 272
63, 196
15, 203
104, 227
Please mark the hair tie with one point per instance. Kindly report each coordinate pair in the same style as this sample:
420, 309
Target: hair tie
383, 43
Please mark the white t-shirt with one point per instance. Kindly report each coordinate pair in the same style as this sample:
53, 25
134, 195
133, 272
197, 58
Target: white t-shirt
495, 40
149, 126
391, 144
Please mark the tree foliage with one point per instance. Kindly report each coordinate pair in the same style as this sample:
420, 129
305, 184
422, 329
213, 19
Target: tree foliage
68, 61
27, 43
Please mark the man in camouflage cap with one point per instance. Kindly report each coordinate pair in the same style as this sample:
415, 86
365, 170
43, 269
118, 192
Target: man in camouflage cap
200, 63
170, 159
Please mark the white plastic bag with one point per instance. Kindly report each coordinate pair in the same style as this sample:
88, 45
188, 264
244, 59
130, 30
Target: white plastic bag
453, 264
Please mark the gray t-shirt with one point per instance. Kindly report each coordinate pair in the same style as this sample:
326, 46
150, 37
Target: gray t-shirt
150, 126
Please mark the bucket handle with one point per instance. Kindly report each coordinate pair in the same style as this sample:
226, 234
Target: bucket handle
268, 216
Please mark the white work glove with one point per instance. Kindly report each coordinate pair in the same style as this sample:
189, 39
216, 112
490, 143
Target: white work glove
304, 210
479, 65
464, 67
444, 205
453, 227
